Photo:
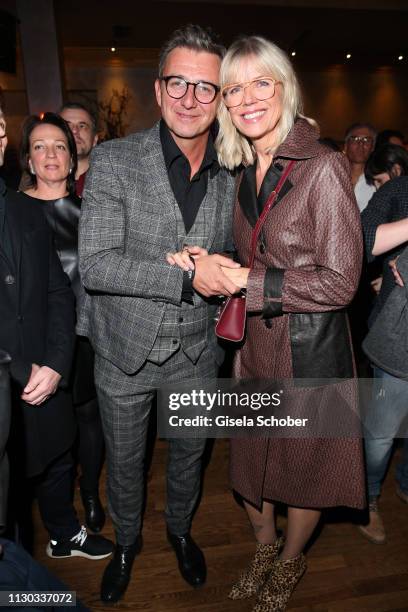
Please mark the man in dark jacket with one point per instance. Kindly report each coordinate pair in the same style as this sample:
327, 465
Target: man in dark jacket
37, 330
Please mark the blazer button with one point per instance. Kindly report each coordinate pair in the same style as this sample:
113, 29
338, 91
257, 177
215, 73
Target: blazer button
175, 341
262, 248
181, 319
9, 279
20, 318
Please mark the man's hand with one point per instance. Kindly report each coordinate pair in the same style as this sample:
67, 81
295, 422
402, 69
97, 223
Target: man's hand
42, 384
182, 258
209, 278
397, 275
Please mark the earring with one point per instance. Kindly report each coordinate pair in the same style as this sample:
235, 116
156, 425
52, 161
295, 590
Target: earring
31, 168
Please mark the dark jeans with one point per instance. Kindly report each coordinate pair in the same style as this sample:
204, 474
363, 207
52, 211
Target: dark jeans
90, 444
20, 572
386, 420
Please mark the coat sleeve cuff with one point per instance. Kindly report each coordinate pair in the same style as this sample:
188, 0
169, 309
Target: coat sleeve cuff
255, 290
273, 284
264, 291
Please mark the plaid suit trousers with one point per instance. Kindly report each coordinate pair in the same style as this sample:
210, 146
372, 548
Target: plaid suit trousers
125, 402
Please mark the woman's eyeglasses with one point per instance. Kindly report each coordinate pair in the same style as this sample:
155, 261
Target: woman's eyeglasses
261, 88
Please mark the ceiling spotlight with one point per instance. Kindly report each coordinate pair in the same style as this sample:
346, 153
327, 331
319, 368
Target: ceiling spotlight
113, 49
400, 57
348, 56
293, 53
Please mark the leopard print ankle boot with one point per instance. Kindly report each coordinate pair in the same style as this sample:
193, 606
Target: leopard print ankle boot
281, 583
253, 578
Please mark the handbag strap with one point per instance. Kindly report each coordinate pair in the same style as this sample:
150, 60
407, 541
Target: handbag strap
269, 203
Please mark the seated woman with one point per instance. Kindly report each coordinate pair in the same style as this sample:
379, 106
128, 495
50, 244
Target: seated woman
48, 156
306, 270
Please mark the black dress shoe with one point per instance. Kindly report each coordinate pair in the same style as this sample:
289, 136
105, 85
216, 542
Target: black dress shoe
116, 577
94, 512
190, 559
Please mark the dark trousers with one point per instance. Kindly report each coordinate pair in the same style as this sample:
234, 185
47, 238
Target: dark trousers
90, 444
54, 491
55, 500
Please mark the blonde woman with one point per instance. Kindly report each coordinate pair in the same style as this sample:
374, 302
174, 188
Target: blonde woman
306, 270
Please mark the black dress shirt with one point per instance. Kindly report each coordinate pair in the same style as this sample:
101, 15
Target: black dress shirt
189, 193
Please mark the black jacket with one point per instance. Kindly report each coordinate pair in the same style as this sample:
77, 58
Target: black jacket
36, 325
63, 216
388, 204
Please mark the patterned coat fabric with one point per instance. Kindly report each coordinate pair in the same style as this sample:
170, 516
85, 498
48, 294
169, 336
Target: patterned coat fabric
130, 219
312, 240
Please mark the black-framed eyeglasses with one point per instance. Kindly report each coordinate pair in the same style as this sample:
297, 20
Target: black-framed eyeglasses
177, 87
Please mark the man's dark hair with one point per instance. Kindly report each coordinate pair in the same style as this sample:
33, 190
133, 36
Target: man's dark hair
383, 137
383, 160
80, 106
192, 37
52, 119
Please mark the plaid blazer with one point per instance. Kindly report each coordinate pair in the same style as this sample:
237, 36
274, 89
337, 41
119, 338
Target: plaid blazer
129, 220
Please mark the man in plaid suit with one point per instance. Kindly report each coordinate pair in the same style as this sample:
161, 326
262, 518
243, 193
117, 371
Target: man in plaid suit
146, 195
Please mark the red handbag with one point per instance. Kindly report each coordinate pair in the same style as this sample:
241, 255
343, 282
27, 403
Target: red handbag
231, 321
232, 317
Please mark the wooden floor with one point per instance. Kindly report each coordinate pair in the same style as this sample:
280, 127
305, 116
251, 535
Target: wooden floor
345, 572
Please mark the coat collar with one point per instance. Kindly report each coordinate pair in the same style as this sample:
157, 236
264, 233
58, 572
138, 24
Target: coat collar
301, 142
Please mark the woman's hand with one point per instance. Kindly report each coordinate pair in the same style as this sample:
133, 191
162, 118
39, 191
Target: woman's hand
239, 276
182, 259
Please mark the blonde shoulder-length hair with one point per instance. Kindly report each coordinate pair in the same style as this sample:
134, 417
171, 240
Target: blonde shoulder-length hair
232, 147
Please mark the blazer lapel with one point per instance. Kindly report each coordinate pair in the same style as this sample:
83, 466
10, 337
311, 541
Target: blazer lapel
16, 224
154, 169
3, 206
215, 198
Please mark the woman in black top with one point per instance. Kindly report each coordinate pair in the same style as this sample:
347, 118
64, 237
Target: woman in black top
48, 155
